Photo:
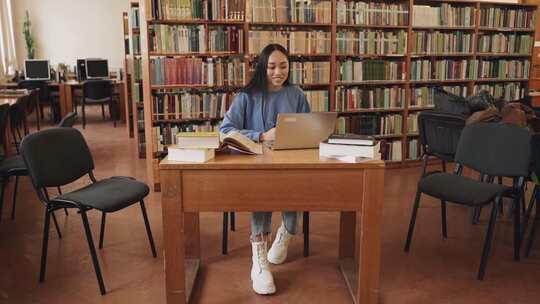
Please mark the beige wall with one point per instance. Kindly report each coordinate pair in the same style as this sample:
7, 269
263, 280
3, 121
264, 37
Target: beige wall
69, 29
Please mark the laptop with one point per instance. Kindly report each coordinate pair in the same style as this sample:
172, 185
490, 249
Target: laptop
302, 130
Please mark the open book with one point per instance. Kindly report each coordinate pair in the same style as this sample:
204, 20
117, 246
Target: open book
235, 140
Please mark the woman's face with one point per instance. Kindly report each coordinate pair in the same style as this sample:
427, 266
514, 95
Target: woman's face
277, 70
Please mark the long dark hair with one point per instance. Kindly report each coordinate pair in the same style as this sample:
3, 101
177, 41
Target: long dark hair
259, 82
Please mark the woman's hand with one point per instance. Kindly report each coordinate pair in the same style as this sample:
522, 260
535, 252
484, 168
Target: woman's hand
269, 135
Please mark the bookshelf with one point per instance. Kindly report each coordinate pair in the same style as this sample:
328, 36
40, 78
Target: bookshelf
134, 60
373, 62
127, 74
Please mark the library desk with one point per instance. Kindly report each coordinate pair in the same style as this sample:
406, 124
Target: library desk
10, 100
65, 92
294, 180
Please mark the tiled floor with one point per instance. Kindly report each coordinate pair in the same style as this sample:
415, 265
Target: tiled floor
435, 271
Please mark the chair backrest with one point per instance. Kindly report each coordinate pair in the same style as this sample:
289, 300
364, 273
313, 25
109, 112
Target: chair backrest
68, 121
36, 84
4, 114
439, 133
57, 156
97, 89
17, 112
495, 149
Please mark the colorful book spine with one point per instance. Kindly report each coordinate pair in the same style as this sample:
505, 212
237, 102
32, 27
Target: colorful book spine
503, 69
424, 69
446, 14
211, 71
367, 70
371, 42
309, 72
424, 96
372, 13
360, 98
504, 17
187, 105
296, 42
512, 91
437, 42
505, 43
319, 100
290, 11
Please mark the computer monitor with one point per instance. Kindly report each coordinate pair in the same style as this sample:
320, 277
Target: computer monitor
81, 69
97, 68
37, 69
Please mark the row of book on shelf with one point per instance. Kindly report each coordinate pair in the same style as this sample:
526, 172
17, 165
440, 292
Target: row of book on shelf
193, 39
196, 70
289, 11
197, 9
166, 38
186, 104
347, 12
469, 69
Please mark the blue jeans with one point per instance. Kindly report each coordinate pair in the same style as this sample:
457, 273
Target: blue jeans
261, 222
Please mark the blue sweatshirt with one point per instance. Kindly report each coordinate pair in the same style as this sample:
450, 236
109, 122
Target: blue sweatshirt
251, 117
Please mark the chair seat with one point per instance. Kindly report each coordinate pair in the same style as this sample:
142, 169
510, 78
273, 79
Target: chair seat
108, 195
460, 189
13, 166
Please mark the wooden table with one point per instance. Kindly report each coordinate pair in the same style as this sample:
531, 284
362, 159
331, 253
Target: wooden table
294, 180
65, 91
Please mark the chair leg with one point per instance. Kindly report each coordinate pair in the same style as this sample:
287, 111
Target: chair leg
103, 111
2, 191
148, 230
56, 225
224, 241
443, 218
14, 197
233, 221
535, 223
60, 193
517, 227
44, 245
93, 252
83, 115
489, 238
424, 167
305, 223
528, 212
102, 230
413, 220
444, 166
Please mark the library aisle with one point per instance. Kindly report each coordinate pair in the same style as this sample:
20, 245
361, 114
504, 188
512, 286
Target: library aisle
435, 269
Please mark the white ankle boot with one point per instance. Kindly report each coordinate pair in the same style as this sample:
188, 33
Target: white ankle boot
278, 251
263, 281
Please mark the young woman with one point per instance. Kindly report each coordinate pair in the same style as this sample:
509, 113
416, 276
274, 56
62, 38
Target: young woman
254, 114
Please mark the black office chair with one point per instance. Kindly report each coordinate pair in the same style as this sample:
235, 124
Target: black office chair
493, 150
439, 135
60, 156
45, 97
14, 166
98, 92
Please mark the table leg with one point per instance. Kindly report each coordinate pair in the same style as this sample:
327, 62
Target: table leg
370, 237
38, 117
173, 237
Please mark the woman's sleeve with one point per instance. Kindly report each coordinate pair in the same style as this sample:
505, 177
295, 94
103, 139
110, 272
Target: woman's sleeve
303, 105
235, 117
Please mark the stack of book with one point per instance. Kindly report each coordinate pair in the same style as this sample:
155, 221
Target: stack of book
350, 148
196, 147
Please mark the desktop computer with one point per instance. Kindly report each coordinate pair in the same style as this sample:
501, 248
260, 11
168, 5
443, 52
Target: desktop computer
37, 69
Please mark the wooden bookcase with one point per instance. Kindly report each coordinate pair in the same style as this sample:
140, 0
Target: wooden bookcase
134, 63
127, 74
403, 138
